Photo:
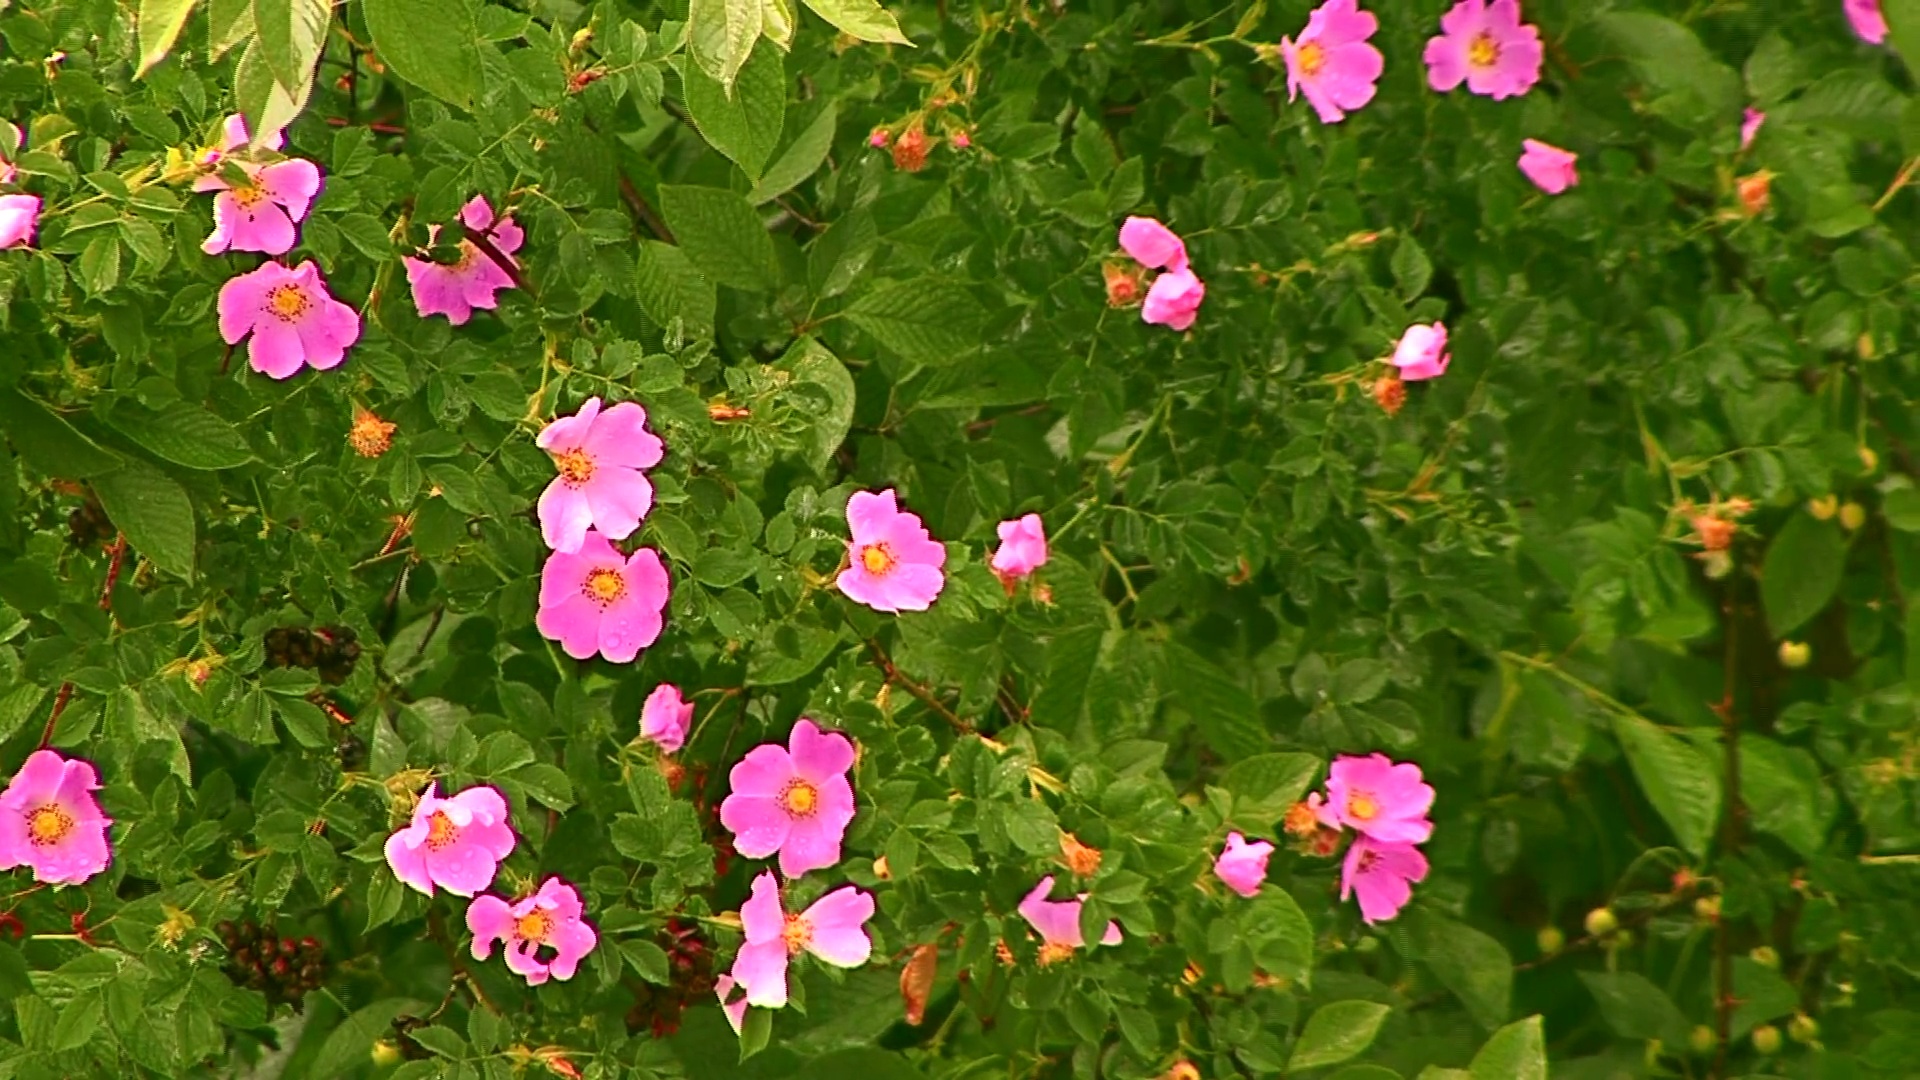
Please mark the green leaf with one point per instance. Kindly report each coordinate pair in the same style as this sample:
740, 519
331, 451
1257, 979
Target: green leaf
1903, 31
668, 287
800, 160
1265, 786
430, 43
1279, 934
290, 33
1225, 713
1473, 965
78, 1021
1337, 1032
1411, 268
1781, 788
1801, 572
648, 960
864, 19
811, 363
182, 434
721, 234
49, 443
928, 321
159, 24
155, 513
1679, 780
743, 124
548, 784
229, 22
1635, 1008
721, 35
1901, 508
347, 1045
1693, 87
1516, 1052
268, 106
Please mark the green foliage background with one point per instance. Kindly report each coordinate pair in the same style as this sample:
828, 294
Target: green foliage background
1254, 567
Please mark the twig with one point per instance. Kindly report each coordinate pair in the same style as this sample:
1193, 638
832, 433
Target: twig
484, 241
1730, 824
1899, 181
118, 552
59, 706
925, 696
644, 212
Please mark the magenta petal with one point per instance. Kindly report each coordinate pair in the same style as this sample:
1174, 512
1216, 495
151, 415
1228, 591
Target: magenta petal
836, 920
274, 350
810, 845
565, 517
569, 432
759, 825
762, 918
868, 512
762, 971
292, 184
818, 755
489, 920
1057, 922
618, 499
620, 437
574, 623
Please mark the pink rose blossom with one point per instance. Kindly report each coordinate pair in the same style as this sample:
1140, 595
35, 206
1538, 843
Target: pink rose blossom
1173, 300
260, 215
895, 563
456, 843
19, 214
666, 717
455, 289
11, 140
1487, 46
793, 799
1867, 20
598, 601
1332, 62
233, 136
1381, 800
1422, 352
548, 920
831, 929
1750, 123
736, 1010
293, 319
1058, 922
1383, 874
599, 456
1152, 244
50, 820
1243, 866
1023, 547
1550, 168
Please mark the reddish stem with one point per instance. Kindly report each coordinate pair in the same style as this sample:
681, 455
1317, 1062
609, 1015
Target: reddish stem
119, 553
59, 706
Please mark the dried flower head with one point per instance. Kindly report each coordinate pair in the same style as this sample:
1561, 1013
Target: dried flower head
1078, 857
910, 150
369, 436
1390, 393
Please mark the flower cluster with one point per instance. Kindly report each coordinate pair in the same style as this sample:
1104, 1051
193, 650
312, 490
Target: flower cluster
1385, 804
1173, 300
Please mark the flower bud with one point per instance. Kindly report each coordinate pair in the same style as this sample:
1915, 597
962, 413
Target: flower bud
1766, 1040
1852, 516
1803, 1029
1754, 191
1823, 508
1390, 393
1765, 956
1707, 909
1795, 654
1550, 940
1702, 1040
1869, 460
1602, 921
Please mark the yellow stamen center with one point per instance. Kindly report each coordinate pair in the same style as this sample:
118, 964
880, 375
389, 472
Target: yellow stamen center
877, 558
48, 825
603, 586
1311, 58
248, 195
441, 831
287, 302
1363, 806
575, 466
797, 934
1483, 51
1053, 952
534, 926
800, 798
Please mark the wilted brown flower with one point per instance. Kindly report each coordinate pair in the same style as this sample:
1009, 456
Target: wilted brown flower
1078, 857
1754, 191
1123, 283
910, 150
1389, 392
369, 436
916, 982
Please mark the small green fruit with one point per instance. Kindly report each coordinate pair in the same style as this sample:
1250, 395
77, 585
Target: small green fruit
386, 1053
1824, 507
1766, 1040
1707, 909
1550, 940
1765, 956
1601, 921
1795, 654
1803, 1029
1702, 1040
1852, 516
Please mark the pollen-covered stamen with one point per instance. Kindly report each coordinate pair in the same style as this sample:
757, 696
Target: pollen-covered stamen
1362, 805
877, 558
441, 831
1053, 952
288, 303
48, 824
797, 933
533, 927
248, 195
576, 468
1483, 51
1311, 58
800, 798
604, 586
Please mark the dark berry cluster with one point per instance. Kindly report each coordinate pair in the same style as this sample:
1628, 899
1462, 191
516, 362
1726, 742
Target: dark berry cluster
690, 967
281, 968
88, 528
331, 650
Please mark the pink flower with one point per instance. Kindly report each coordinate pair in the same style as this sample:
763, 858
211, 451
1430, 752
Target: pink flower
1750, 126
878, 138
1381, 800
1867, 20
1549, 167
600, 486
1023, 547
11, 140
1243, 866
795, 799
1332, 62
259, 215
19, 214
1152, 244
666, 717
548, 920
1058, 922
456, 843
50, 820
1422, 352
1383, 874
1173, 299
830, 929
895, 563
736, 1010
961, 140
1487, 46
597, 601
293, 319
455, 289
233, 136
